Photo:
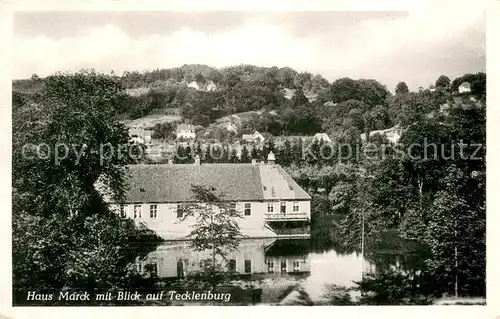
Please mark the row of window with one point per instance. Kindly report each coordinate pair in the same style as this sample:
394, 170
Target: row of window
283, 266
153, 267
247, 265
270, 207
153, 211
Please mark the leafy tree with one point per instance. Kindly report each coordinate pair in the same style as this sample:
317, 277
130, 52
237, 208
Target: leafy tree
200, 78
477, 82
285, 156
233, 158
64, 235
245, 157
215, 229
163, 130
443, 82
299, 98
368, 91
402, 88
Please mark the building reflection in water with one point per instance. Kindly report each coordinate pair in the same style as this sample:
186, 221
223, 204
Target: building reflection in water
254, 256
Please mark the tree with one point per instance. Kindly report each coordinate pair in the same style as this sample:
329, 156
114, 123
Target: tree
245, 156
402, 88
299, 98
233, 157
215, 229
64, 234
477, 82
443, 82
368, 91
285, 156
163, 130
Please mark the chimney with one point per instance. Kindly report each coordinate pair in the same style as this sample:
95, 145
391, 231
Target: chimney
197, 160
270, 158
254, 162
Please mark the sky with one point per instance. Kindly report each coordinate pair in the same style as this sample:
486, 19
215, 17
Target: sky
414, 46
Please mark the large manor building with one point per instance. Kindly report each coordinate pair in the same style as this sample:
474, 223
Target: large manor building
271, 203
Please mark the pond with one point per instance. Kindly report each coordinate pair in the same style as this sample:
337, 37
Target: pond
273, 271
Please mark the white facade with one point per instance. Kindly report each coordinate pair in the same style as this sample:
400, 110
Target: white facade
185, 131
164, 220
255, 137
186, 134
140, 135
464, 88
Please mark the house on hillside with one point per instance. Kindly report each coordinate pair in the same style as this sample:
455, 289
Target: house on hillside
185, 131
464, 102
256, 137
393, 134
211, 86
140, 135
194, 85
464, 88
232, 127
329, 104
322, 137
271, 203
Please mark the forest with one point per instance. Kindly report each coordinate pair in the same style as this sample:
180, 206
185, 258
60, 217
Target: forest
317, 105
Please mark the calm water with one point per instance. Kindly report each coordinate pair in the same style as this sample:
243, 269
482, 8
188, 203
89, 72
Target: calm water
282, 271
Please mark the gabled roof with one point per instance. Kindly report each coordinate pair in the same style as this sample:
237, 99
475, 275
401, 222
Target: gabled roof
160, 183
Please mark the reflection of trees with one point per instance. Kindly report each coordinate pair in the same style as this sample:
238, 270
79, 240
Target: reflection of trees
389, 287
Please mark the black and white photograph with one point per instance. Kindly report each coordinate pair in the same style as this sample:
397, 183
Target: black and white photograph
249, 157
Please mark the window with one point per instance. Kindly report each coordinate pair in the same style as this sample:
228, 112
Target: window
137, 211
152, 268
248, 209
296, 266
283, 266
295, 206
123, 213
248, 266
139, 267
270, 207
232, 265
180, 268
153, 210
232, 207
179, 211
270, 266
283, 207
